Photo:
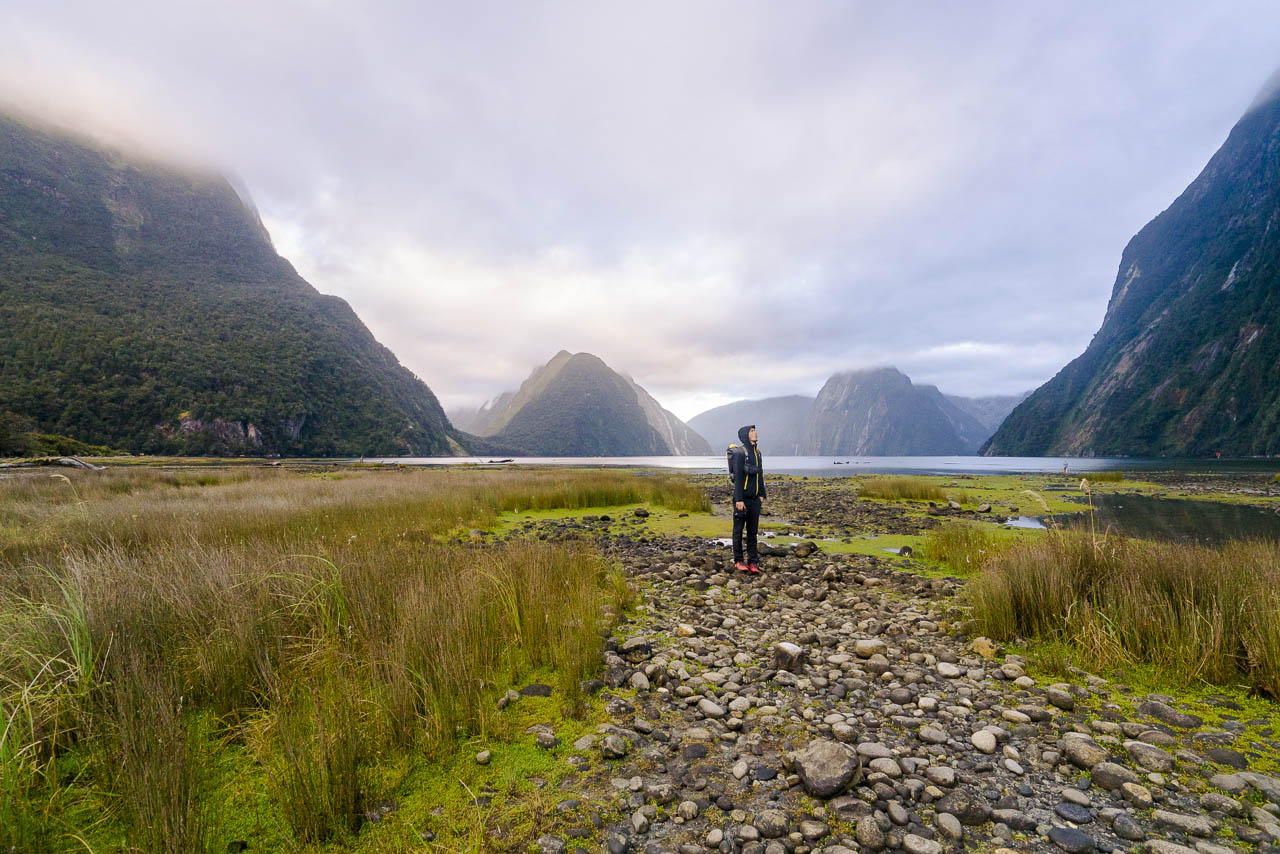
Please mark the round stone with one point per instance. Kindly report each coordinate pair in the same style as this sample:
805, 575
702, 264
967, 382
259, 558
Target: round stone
984, 740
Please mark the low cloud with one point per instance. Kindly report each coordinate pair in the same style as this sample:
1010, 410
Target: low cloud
724, 199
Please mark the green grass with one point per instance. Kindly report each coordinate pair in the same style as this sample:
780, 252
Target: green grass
1195, 613
964, 547
322, 629
898, 488
1104, 476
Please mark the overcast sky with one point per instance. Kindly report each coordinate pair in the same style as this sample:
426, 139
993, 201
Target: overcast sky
723, 199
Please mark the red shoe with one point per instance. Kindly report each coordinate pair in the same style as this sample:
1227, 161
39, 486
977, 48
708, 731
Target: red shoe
754, 568
740, 566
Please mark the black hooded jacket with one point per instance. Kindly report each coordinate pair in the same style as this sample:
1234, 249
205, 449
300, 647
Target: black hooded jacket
748, 469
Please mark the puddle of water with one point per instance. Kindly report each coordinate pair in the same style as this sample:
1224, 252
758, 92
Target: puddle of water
1026, 522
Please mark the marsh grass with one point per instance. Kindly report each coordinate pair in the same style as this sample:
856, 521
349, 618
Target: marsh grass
901, 488
961, 546
1193, 612
1106, 477
324, 623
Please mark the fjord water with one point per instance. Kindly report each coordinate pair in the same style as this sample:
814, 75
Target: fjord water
1185, 520
846, 466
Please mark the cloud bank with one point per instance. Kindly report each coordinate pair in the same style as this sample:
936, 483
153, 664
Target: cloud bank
723, 199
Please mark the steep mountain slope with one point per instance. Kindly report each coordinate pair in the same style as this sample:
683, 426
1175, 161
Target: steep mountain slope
677, 435
879, 412
143, 306
1187, 360
577, 406
991, 411
780, 421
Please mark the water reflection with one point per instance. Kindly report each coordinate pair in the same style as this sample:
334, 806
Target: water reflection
1178, 520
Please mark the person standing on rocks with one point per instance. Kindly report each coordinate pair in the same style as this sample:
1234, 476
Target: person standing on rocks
748, 496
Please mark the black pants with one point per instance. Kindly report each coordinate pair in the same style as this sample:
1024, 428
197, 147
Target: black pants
749, 519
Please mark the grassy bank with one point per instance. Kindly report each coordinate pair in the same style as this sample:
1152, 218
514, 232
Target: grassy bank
1193, 613
160, 631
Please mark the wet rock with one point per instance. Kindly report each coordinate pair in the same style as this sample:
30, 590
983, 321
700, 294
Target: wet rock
1073, 813
826, 768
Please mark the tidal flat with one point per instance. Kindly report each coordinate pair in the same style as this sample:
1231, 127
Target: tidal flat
312, 657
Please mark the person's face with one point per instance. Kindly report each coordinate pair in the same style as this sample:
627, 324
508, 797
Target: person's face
751, 434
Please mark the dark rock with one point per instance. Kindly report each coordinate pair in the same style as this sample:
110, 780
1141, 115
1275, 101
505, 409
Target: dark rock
1166, 714
1072, 840
970, 807
1226, 756
827, 768
1073, 813
536, 690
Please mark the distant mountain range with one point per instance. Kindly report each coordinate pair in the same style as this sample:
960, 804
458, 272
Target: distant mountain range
1187, 361
877, 412
142, 306
576, 405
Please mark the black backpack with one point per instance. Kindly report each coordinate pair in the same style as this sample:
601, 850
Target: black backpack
732, 453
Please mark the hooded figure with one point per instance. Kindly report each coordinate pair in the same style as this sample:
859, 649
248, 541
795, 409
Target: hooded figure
748, 494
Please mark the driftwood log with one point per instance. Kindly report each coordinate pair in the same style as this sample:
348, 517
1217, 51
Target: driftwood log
71, 462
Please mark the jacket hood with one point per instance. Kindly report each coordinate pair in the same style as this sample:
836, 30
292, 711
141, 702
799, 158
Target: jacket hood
742, 435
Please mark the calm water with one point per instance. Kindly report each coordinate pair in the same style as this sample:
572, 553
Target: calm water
1180, 520
846, 466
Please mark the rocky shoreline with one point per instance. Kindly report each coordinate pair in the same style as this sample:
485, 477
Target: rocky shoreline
830, 706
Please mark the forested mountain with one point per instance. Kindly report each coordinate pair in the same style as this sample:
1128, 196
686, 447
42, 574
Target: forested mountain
1187, 361
576, 405
143, 306
779, 420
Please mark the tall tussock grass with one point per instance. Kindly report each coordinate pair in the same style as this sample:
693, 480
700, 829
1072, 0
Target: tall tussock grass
962, 547
901, 488
324, 623
1195, 612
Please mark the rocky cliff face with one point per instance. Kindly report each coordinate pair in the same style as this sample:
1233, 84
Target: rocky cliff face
1187, 361
142, 306
880, 412
576, 405
677, 435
